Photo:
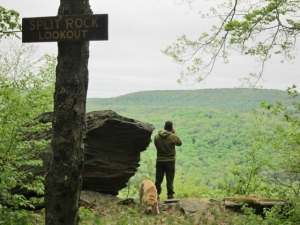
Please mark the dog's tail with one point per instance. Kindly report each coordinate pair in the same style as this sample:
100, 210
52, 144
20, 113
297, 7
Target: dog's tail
141, 185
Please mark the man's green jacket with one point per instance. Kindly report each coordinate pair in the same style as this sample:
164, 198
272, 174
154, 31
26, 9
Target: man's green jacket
165, 142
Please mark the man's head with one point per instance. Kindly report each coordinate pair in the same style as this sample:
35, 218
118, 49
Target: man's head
168, 125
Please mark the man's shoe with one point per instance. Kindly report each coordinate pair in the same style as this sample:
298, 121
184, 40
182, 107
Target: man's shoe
170, 197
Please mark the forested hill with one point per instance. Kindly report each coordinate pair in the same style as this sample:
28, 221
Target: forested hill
229, 98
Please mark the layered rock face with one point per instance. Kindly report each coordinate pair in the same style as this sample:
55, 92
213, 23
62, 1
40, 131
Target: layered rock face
112, 150
113, 144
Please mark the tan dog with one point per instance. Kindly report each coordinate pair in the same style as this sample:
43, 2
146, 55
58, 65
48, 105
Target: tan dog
149, 192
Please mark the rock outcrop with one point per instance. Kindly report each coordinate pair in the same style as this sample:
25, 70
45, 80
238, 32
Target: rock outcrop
258, 203
113, 144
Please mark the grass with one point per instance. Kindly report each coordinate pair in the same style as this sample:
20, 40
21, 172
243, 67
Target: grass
118, 214
110, 210
111, 213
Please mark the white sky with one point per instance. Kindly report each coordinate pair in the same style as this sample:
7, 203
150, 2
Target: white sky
131, 60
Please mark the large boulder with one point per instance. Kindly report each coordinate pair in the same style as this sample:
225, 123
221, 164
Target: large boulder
113, 144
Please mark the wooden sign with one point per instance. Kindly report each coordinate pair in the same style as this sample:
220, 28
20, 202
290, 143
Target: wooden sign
66, 28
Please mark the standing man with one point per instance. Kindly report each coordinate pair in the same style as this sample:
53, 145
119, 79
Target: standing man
165, 142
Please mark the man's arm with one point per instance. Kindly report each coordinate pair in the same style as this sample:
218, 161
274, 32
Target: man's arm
177, 140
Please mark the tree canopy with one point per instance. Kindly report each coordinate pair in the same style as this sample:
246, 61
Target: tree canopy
259, 28
26, 87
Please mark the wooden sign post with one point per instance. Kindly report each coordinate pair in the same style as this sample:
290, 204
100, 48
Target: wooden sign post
67, 28
72, 29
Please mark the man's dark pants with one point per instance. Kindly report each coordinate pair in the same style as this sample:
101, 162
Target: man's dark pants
162, 168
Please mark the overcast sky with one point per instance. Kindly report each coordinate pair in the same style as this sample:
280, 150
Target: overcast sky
131, 60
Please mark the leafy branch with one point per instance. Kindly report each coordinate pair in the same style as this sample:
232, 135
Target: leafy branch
9, 21
262, 30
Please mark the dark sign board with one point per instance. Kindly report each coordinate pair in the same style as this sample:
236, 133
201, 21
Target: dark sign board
66, 28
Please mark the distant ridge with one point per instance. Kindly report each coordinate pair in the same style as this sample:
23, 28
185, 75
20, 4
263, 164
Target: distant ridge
225, 98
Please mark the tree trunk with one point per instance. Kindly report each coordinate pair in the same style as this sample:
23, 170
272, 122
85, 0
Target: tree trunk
63, 180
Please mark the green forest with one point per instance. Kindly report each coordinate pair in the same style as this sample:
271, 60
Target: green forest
235, 141
218, 128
